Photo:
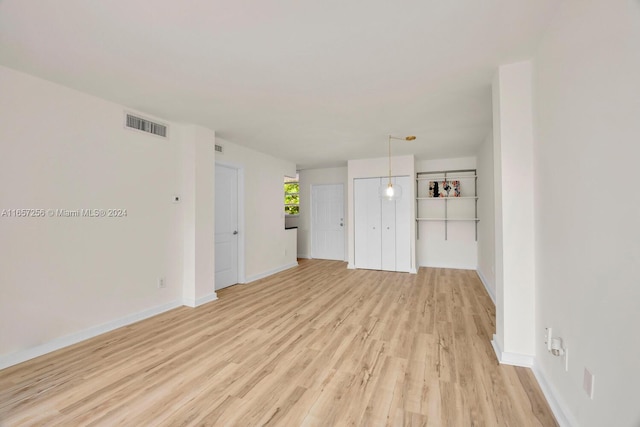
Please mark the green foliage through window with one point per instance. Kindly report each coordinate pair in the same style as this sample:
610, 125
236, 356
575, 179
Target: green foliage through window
291, 198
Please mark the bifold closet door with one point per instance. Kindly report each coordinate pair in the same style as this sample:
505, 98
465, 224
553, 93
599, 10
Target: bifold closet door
382, 239
396, 247
402, 222
367, 216
388, 220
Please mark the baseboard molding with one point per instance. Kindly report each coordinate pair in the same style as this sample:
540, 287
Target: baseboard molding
413, 270
514, 359
563, 416
486, 286
304, 256
454, 266
270, 272
58, 343
190, 302
351, 266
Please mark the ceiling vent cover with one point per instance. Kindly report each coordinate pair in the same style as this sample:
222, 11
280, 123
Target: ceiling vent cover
219, 148
144, 125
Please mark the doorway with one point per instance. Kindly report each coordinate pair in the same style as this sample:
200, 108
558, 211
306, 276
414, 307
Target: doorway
327, 221
228, 244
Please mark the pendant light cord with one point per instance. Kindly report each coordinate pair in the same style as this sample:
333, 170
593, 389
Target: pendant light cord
389, 160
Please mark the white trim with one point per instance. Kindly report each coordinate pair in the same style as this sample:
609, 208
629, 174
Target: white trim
304, 256
351, 266
486, 286
413, 271
514, 359
74, 338
270, 272
563, 416
190, 302
241, 226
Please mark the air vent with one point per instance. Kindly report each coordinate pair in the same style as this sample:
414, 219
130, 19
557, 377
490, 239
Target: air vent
219, 148
144, 125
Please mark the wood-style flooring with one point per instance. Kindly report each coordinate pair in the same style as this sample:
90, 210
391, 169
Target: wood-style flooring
314, 345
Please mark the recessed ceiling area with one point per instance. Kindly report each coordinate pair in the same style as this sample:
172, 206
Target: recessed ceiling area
316, 83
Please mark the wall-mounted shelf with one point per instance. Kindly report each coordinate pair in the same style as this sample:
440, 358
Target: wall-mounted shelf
447, 219
448, 198
436, 178
439, 210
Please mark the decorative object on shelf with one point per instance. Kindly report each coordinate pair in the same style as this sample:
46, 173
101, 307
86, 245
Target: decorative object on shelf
444, 188
441, 198
388, 191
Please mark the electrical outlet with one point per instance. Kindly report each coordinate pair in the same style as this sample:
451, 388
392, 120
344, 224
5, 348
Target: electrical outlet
162, 283
547, 338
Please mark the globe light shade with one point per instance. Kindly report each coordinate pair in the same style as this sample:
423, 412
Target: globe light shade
390, 192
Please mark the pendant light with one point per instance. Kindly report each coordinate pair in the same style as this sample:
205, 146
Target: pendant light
389, 191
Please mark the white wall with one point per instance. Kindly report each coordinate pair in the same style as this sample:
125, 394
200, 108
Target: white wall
63, 280
264, 235
308, 178
587, 208
198, 214
513, 188
62, 149
460, 249
379, 167
486, 225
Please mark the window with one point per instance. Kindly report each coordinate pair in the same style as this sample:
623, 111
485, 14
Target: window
291, 195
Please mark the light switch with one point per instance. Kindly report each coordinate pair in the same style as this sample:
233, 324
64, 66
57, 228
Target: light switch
588, 382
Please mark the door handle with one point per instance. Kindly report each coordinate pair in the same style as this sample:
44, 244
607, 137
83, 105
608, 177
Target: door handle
235, 232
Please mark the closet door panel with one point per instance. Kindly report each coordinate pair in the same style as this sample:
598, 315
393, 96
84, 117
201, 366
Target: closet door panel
388, 250
403, 208
360, 221
374, 238
367, 217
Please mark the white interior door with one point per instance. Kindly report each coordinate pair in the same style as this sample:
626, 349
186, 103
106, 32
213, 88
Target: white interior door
226, 233
388, 230
327, 221
402, 223
367, 216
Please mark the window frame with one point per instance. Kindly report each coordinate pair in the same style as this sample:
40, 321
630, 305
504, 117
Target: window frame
291, 180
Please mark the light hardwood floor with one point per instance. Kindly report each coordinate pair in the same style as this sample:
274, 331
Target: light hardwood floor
314, 345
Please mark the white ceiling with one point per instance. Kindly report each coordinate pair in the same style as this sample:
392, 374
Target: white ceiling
314, 82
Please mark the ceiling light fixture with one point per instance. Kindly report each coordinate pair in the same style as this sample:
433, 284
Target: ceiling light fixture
390, 192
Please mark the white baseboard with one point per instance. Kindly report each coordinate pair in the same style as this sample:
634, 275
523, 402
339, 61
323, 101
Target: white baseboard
514, 359
190, 302
304, 256
270, 272
351, 266
448, 265
486, 286
58, 343
563, 416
